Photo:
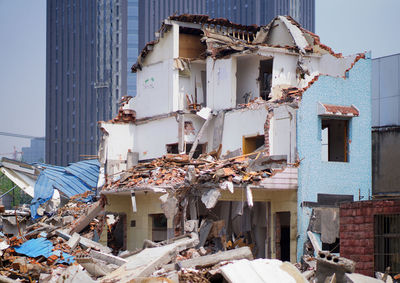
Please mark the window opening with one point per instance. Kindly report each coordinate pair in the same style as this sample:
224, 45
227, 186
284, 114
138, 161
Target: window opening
282, 236
201, 148
265, 78
334, 140
116, 231
251, 144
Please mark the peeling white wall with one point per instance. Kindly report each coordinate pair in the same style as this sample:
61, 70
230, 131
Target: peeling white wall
153, 136
221, 83
164, 49
239, 123
284, 70
120, 139
157, 82
155, 90
248, 71
282, 137
335, 67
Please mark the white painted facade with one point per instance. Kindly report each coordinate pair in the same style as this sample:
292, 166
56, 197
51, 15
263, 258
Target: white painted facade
165, 79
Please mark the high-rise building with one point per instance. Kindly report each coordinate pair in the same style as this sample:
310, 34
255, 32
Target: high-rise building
71, 99
91, 46
34, 153
246, 12
88, 70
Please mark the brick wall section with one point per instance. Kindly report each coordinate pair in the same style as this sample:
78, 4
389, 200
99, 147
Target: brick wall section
357, 231
266, 131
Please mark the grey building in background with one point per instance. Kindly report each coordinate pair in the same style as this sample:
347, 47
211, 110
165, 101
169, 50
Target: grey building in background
34, 153
246, 12
90, 48
386, 125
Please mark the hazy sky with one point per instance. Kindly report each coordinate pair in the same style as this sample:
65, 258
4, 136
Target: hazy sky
348, 26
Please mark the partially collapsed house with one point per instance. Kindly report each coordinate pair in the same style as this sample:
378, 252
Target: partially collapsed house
250, 130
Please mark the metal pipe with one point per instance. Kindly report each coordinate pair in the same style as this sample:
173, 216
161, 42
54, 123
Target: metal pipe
8, 191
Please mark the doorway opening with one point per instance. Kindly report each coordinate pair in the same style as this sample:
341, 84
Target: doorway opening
251, 144
116, 231
282, 236
265, 78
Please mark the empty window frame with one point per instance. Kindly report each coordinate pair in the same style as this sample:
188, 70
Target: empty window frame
251, 144
265, 78
201, 148
334, 140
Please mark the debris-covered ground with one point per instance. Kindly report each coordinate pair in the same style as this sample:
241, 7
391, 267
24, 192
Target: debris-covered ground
64, 247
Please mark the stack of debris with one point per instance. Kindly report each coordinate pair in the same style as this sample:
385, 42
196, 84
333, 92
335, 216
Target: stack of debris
64, 247
174, 169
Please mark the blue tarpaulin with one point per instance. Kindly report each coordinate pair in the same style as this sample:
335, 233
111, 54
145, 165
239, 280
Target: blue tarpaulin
74, 179
42, 246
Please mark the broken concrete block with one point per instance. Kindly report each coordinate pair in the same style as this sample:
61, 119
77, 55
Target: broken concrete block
85, 242
86, 218
210, 198
94, 267
241, 253
142, 264
67, 220
74, 273
191, 226
169, 205
328, 264
73, 242
204, 231
109, 258
261, 270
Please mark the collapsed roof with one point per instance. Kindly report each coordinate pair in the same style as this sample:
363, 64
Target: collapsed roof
224, 38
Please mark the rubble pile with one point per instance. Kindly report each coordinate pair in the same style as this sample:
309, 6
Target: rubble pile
65, 247
174, 169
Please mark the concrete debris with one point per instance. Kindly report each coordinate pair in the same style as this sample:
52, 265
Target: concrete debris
210, 198
260, 271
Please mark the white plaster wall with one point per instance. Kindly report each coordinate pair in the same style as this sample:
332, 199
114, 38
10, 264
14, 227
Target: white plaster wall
120, 139
163, 50
284, 70
248, 71
239, 123
152, 137
221, 83
335, 67
283, 132
155, 95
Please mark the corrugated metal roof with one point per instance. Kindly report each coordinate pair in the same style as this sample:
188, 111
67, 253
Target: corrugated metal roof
74, 179
42, 246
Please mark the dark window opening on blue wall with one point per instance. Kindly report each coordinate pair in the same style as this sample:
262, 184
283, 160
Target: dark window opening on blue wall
334, 140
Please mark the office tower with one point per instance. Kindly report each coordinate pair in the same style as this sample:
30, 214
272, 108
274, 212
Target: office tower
35, 152
246, 12
88, 67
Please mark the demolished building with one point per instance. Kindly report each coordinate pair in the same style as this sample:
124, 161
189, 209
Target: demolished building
244, 132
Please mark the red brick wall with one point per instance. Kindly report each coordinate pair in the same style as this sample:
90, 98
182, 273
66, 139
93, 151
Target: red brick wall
357, 231
266, 132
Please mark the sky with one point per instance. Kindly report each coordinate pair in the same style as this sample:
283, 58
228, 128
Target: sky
347, 26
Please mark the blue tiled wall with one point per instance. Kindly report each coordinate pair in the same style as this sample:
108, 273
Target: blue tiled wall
317, 176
